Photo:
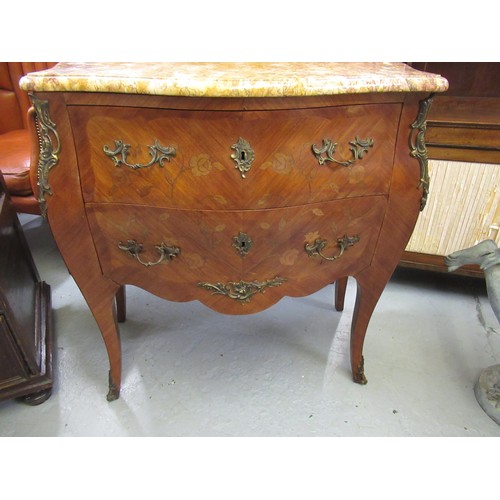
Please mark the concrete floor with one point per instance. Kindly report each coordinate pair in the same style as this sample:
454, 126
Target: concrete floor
188, 371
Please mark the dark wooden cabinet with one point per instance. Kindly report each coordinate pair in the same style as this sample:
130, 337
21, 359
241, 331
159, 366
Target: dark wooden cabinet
464, 122
25, 315
463, 125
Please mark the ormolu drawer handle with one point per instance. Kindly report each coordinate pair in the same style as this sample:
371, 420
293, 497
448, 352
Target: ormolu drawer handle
316, 248
242, 291
158, 154
325, 153
134, 249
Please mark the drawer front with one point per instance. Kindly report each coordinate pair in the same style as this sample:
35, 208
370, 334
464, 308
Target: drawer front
233, 160
235, 262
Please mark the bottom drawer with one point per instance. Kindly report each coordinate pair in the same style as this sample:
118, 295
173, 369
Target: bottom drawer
235, 262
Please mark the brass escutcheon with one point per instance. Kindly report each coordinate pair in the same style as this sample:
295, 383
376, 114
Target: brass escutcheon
243, 243
243, 156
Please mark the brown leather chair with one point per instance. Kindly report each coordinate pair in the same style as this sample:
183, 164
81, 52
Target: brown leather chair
16, 125
17, 128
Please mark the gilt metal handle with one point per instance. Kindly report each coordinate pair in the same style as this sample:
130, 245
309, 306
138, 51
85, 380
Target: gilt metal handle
134, 249
158, 154
325, 153
319, 244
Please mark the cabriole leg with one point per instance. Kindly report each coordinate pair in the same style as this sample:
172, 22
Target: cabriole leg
103, 309
369, 290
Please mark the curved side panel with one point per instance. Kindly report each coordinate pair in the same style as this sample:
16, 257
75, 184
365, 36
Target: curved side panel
68, 222
405, 198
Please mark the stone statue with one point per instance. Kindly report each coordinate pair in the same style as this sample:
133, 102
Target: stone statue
487, 255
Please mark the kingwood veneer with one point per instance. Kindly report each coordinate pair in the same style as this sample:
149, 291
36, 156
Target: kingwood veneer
231, 184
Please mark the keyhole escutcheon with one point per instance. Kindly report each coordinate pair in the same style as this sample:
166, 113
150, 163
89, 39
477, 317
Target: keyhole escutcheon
242, 243
243, 156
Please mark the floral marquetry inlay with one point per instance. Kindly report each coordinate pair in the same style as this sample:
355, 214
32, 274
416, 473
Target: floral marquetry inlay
202, 165
289, 257
280, 163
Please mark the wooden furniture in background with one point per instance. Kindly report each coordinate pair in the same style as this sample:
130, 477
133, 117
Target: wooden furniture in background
231, 184
25, 315
463, 125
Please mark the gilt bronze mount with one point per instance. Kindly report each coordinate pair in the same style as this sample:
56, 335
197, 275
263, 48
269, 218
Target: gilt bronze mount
418, 148
241, 291
49, 148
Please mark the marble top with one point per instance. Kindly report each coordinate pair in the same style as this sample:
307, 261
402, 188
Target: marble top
233, 79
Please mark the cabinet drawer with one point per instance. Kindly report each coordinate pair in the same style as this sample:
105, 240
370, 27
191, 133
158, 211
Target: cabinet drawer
209, 252
201, 173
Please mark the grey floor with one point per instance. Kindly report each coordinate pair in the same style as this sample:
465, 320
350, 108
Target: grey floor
188, 371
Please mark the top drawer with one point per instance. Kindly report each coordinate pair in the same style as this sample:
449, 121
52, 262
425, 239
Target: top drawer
189, 158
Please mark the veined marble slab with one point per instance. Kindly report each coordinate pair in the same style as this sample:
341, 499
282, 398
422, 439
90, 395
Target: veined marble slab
233, 79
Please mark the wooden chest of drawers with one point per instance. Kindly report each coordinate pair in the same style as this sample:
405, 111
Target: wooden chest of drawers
231, 184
